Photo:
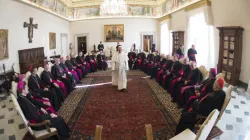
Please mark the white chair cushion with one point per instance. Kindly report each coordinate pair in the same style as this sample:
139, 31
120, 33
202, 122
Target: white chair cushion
14, 88
185, 135
27, 76
40, 133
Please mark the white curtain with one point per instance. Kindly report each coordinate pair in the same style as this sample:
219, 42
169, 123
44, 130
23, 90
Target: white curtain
200, 34
165, 38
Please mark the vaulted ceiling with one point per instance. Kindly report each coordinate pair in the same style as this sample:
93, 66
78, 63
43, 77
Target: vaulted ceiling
92, 3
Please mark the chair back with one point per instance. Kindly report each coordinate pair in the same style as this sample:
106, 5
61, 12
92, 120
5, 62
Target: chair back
14, 88
204, 72
207, 126
149, 132
226, 102
27, 76
39, 71
50, 66
220, 75
19, 110
98, 132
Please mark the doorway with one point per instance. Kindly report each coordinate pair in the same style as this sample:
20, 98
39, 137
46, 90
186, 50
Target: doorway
64, 45
82, 44
147, 42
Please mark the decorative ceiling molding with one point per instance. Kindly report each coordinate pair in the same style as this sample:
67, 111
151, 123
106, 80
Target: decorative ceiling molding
198, 5
90, 3
165, 18
161, 9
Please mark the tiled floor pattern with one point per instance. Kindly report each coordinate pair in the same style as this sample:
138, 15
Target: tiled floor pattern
235, 122
11, 124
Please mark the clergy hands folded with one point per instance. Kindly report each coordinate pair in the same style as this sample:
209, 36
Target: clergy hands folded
44, 111
47, 103
179, 80
52, 115
56, 85
198, 93
46, 99
186, 82
46, 89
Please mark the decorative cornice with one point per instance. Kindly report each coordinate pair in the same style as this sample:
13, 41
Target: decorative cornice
165, 18
90, 3
198, 5
154, 11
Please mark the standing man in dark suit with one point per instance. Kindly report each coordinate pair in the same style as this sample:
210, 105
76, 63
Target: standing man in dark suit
100, 46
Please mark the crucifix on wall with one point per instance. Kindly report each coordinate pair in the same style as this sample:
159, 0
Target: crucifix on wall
30, 28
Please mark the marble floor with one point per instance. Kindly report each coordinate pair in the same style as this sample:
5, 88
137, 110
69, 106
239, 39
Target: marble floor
235, 122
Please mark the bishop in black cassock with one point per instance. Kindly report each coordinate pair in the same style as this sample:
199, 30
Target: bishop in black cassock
35, 114
203, 106
59, 74
35, 84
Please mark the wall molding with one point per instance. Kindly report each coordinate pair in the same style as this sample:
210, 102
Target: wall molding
198, 5
165, 18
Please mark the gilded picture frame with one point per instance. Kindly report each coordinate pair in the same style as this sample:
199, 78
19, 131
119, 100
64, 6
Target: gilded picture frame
114, 33
4, 48
52, 41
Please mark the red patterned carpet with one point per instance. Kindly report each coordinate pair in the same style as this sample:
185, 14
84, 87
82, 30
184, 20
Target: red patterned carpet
122, 114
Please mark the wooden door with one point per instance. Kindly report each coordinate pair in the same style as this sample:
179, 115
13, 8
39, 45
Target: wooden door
147, 42
82, 44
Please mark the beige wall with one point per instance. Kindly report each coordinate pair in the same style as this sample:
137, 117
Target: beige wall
94, 30
13, 14
225, 13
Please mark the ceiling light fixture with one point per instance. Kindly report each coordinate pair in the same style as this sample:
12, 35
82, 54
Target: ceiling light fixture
113, 8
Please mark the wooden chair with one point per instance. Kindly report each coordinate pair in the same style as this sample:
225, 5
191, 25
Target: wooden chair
203, 132
226, 102
149, 132
98, 132
37, 135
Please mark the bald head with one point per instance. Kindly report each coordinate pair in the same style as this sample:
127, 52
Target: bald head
192, 65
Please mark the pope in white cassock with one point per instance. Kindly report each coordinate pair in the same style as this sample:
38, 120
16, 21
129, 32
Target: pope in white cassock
119, 69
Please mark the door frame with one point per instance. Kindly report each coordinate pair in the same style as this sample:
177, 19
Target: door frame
76, 42
67, 43
148, 33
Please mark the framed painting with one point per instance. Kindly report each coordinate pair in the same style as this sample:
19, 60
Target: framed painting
52, 41
114, 33
4, 50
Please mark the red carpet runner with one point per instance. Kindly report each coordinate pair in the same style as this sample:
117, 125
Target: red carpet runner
122, 114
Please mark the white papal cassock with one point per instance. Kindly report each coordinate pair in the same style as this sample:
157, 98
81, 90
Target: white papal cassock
119, 70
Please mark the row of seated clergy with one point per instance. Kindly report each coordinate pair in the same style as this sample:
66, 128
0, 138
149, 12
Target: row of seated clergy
183, 80
92, 61
202, 106
35, 112
46, 95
